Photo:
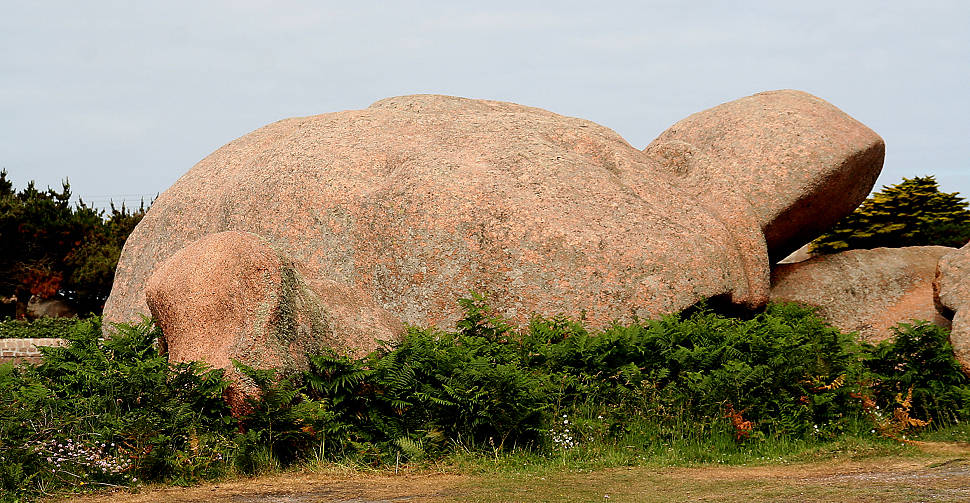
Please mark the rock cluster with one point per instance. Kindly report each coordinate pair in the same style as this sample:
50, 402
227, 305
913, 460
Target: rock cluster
233, 296
791, 162
865, 291
870, 291
334, 229
952, 289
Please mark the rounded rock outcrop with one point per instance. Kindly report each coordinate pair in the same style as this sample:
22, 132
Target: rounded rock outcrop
791, 162
231, 296
416, 200
951, 288
865, 291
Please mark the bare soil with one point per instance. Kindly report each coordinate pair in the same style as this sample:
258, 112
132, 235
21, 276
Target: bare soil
941, 473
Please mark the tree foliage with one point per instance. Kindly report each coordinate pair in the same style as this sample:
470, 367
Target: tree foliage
51, 248
911, 213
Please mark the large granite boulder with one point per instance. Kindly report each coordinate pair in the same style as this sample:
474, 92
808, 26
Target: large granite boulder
791, 162
952, 289
233, 296
411, 203
865, 291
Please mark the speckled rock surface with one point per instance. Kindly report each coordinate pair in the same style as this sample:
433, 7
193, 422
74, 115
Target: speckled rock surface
417, 200
952, 290
790, 161
232, 296
868, 291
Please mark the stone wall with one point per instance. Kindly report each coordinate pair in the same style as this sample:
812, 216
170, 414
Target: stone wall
25, 350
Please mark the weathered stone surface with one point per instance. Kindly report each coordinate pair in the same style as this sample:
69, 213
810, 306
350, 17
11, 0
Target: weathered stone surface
232, 296
791, 161
952, 282
416, 200
48, 308
866, 291
951, 288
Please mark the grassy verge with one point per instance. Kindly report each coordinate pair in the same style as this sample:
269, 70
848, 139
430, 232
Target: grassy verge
841, 471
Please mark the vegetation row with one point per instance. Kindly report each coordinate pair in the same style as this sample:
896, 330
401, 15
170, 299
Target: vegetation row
695, 387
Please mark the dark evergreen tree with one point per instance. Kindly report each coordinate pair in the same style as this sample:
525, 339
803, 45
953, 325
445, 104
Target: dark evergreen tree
51, 248
91, 263
911, 213
36, 228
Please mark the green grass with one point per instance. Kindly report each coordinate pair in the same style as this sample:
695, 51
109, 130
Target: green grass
720, 449
959, 432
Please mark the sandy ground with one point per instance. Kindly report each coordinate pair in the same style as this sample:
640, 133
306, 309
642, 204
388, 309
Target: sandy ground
941, 474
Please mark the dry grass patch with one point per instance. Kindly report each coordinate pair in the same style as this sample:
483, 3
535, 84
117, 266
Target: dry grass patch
941, 472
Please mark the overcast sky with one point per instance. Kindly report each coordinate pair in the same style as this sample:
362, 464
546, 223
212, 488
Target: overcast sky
124, 97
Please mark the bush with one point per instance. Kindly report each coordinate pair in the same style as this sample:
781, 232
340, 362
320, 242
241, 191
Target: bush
109, 412
919, 360
113, 411
64, 328
783, 373
54, 249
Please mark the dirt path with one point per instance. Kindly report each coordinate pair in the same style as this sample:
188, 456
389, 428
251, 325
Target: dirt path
301, 487
942, 474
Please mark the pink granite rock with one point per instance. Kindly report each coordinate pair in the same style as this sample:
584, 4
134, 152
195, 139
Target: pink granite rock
416, 200
865, 291
952, 290
790, 161
232, 296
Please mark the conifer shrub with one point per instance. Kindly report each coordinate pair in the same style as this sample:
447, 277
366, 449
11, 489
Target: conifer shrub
911, 213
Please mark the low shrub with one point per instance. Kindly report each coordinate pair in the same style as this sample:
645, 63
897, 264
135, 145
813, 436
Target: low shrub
919, 361
50, 327
108, 412
783, 374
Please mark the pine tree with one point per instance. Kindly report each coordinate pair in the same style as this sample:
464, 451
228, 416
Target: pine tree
911, 213
49, 247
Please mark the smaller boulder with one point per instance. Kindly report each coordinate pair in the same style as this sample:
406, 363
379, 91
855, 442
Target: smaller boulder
865, 291
951, 288
38, 307
790, 162
233, 296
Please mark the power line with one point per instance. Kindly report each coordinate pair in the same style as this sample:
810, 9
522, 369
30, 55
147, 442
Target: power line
105, 201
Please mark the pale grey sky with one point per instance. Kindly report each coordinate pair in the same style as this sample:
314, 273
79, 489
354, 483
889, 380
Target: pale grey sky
124, 97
